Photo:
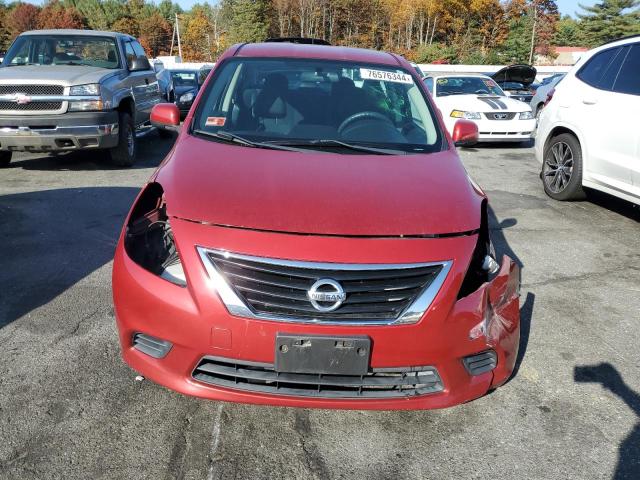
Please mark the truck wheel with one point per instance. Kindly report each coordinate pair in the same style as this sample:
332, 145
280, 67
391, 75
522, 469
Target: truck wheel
5, 158
124, 154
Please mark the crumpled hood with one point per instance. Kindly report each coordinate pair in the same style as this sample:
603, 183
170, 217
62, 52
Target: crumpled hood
480, 103
524, 74
53, 74
319, 193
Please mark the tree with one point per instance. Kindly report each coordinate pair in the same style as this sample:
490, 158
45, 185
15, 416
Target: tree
196, 36
126, 24
23, 17
55, 15
568, 33
155, 34
609, 20
248, 20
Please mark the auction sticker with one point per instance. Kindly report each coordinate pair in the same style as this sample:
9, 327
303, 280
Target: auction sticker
385, 76
215, 121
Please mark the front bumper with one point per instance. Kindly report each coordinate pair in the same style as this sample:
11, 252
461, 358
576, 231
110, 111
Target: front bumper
501, 130
198, 325
68, 131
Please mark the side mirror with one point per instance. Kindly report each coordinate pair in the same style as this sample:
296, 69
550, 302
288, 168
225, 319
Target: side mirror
465, 133
139, 63
165, 115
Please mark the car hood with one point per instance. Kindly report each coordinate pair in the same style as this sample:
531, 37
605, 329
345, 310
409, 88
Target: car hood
479, 103
525, 74
53, 74
319, 193
185, 88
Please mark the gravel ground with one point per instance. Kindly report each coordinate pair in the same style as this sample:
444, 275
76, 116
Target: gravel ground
70, 408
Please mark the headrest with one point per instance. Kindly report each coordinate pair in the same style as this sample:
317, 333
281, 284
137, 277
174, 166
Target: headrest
270, 101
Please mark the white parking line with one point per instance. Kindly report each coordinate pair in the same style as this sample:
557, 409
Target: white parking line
215, 440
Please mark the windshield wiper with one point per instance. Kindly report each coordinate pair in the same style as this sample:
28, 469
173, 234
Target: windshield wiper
329, 143
233, 138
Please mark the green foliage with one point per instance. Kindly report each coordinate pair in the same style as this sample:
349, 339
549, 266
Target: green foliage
436, 52
609, 20
568, 33
517, 46
248, 21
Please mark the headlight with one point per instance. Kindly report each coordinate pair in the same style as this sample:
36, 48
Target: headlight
526, 116
86, 106
467, 115
187, 97
149, 240
88, 89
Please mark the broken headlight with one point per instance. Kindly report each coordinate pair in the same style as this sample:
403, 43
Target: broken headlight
483, 266
149, 240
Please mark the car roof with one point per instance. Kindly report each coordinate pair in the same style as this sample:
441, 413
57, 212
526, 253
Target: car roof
324, 52
468, 75
70, 31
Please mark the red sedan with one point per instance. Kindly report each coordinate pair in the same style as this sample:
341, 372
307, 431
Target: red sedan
313, 240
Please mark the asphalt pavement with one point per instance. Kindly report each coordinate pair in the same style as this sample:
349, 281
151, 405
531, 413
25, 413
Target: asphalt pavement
70, 408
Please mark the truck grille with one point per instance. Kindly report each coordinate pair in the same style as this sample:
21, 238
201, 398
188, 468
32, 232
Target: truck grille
281, 288
31, 90
262, 377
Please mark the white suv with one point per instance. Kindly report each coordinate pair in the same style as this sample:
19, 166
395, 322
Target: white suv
589, 133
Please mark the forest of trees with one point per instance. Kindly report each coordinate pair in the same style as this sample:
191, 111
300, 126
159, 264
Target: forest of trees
452, 31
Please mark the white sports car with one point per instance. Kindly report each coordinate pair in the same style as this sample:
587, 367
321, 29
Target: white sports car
479, 98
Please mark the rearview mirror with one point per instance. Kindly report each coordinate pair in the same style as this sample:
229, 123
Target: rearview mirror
465, 133
165, 115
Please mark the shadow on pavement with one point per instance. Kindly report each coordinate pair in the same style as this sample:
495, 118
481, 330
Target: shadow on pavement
628, 466
52, 239
615, 205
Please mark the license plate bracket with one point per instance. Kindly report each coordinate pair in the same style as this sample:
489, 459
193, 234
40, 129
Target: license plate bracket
320, 354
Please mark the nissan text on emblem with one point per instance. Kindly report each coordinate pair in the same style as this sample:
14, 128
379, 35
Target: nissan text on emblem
326, 295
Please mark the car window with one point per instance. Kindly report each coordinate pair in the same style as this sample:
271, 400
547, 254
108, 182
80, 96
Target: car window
306, 100
71, 50
129, 53
467, 86
429, 83
600, 65
628, 80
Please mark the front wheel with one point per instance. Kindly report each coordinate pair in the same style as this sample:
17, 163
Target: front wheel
5, 158
124, 154
562, 168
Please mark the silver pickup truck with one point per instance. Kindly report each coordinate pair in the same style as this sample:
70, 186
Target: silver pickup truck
64, 90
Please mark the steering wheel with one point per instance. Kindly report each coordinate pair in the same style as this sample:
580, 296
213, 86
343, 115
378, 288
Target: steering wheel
356, 117
480, 91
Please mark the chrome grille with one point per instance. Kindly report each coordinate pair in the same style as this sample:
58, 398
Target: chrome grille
32, 89
262, 377
278, 289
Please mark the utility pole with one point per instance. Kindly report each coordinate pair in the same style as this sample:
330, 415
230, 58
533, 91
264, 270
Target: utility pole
178, 35
533, 34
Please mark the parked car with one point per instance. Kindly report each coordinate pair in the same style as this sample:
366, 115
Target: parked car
418, 70
478, 98
542, 93
588, 134
64, 90
516, 81
165, 81
186, 84
299, 245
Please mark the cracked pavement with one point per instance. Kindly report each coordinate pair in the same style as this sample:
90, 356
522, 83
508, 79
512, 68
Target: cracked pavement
70, 408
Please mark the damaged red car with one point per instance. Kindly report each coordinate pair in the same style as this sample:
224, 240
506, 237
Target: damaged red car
313, 240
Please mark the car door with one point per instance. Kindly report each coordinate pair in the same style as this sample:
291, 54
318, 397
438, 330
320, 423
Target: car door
148, 84
605, 119
627, 86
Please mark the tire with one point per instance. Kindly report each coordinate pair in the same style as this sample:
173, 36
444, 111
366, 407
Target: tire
124, 154
5, 158
562, 168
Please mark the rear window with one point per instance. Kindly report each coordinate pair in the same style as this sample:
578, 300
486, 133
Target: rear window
628, 79
600, 71
271, 99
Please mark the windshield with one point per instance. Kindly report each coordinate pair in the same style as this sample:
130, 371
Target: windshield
63, 50
181, 79
467, 86
316, 104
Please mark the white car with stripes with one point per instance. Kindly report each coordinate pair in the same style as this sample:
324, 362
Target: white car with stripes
479, 98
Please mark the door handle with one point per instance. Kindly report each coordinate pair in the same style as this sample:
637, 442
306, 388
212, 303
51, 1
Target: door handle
589, 101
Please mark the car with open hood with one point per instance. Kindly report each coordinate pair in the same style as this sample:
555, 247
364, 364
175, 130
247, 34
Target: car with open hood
516, 81
313, 240
478, 98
